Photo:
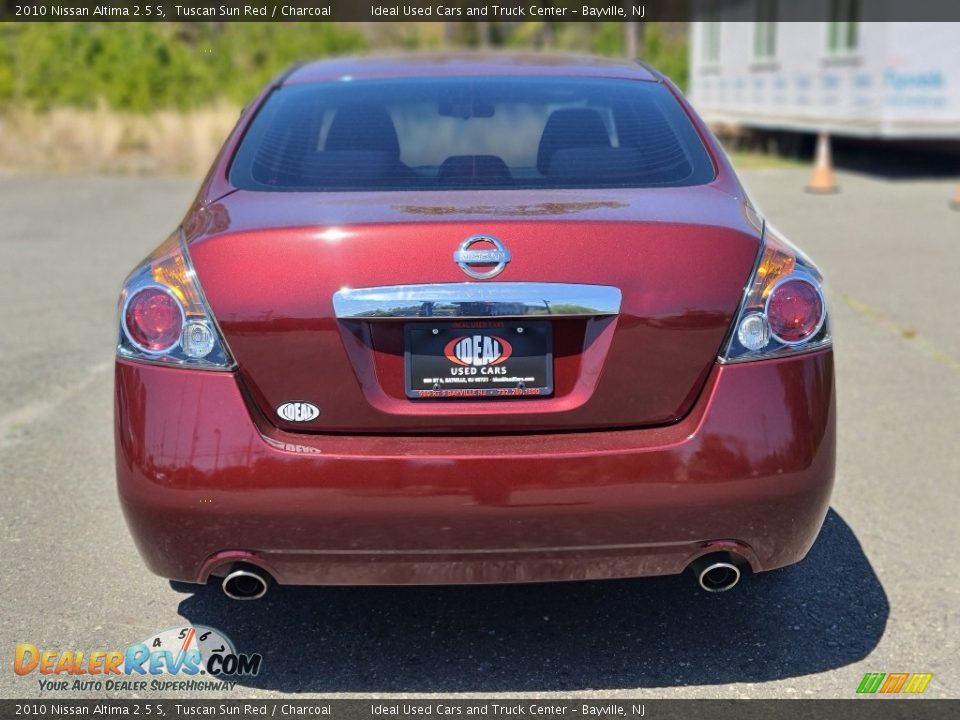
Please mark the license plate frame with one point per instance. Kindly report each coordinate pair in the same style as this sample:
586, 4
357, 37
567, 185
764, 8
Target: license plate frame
445, 361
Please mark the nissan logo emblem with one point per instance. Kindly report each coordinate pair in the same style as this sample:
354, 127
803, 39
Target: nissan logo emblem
493, 252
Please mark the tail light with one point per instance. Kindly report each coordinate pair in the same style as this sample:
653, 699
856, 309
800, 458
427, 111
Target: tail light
783, 310
164, 317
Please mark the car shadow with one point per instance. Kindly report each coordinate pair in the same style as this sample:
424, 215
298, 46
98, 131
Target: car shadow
826, 612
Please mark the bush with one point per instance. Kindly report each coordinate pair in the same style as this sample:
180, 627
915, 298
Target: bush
143, 67
669, 56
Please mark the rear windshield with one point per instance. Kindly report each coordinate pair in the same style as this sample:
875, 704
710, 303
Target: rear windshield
458, 133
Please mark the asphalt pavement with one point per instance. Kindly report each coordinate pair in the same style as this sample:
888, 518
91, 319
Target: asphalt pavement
879, 592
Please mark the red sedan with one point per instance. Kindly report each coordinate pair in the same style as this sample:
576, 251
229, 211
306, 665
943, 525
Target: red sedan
472, 319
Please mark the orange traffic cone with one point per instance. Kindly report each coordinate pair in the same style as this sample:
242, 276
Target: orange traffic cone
821, 179
955, 203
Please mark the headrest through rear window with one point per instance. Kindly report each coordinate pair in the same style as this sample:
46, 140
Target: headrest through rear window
573, 128
363, 127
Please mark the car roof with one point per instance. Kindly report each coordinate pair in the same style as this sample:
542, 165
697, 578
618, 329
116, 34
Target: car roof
467, 64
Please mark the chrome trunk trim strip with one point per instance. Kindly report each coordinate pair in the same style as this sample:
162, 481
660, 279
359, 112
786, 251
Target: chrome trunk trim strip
476, 300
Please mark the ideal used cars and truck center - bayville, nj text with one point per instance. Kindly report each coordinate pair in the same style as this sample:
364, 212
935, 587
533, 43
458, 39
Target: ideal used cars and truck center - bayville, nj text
268, 12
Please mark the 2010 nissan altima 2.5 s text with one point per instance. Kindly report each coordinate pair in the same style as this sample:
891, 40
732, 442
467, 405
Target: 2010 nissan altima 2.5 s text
472, 319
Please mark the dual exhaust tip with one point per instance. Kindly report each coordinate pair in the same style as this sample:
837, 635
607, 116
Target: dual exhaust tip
716, 572
246, 583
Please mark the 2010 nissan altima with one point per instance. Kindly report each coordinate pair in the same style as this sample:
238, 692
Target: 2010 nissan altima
472, 319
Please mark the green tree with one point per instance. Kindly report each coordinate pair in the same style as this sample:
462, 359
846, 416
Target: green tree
142, 67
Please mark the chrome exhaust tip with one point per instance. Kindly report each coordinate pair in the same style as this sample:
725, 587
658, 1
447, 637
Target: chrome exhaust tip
247, 583
715, 573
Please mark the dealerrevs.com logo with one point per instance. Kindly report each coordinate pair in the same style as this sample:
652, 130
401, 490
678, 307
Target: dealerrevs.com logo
180, 659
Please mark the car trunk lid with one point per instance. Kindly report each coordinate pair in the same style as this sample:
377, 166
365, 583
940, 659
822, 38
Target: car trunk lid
676, 260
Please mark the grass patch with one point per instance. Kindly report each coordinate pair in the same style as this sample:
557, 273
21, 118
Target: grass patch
110, 142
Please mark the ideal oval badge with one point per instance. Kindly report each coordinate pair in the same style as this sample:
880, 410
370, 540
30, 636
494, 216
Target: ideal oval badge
298, 411
478, 350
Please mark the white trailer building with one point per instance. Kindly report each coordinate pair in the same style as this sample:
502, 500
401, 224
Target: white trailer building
891, 80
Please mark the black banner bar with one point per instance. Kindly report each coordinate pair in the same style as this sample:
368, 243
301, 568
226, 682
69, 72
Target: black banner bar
459, 10
866, 708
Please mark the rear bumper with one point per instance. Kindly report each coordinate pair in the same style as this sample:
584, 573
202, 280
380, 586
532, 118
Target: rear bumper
203, 484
